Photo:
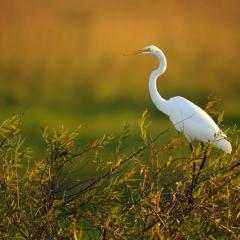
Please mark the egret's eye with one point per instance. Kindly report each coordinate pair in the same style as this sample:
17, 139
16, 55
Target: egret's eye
147, 50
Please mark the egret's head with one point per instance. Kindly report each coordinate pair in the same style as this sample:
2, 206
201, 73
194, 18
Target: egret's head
150, 49
153, 50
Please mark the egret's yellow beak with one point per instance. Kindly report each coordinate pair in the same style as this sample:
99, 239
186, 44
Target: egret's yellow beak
136, 52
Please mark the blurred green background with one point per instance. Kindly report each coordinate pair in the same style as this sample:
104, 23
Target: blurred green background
62, 62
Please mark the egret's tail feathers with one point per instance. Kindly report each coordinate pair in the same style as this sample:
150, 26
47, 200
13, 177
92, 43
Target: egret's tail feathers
224, 144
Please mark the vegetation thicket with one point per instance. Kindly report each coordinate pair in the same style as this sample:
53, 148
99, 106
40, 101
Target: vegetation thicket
137, 191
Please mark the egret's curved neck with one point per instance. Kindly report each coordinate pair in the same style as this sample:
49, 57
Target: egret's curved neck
157, 99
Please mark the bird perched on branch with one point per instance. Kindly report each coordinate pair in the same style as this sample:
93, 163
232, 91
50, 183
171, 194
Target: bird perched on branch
187, 117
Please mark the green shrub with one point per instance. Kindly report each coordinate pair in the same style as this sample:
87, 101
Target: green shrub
132, 192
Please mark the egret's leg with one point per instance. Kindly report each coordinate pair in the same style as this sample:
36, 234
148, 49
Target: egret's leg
194, 166
193, 174
191, 147
204, 158
202, 164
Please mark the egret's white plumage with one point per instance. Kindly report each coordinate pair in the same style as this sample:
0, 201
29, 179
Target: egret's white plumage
187, 117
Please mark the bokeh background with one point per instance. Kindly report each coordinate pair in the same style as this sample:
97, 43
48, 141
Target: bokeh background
62, 62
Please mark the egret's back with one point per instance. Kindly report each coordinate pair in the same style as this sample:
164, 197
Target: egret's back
195, 123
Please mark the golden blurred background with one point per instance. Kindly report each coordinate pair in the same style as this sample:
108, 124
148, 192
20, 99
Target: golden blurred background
62, 62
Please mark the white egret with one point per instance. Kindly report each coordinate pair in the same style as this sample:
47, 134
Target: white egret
187, 117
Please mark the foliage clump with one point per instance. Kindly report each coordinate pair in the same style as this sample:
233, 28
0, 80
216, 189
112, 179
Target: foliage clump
142, 191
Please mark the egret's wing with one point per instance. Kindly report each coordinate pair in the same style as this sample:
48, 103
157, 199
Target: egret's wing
190, 119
